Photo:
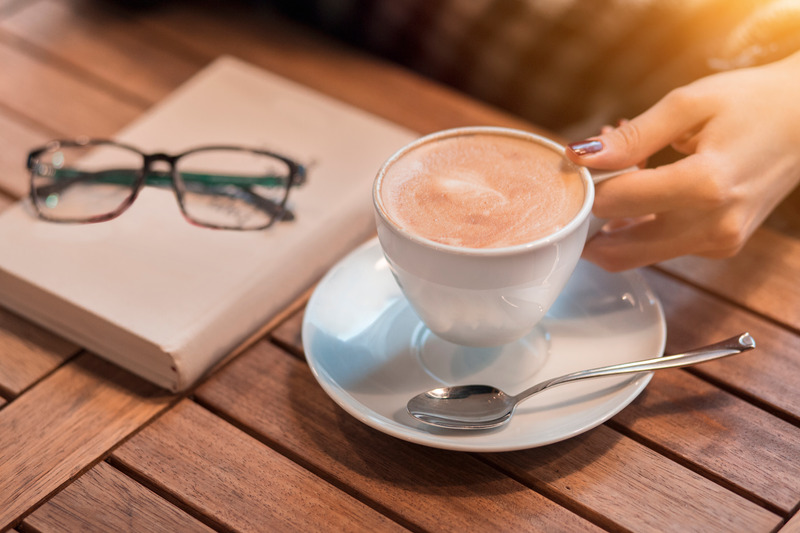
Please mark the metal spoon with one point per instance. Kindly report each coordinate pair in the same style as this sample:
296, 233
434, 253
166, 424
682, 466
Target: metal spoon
484, 407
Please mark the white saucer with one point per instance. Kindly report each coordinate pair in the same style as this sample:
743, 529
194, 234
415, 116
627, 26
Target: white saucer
371, 354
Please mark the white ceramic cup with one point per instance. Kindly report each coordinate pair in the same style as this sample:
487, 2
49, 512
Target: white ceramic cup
482, 296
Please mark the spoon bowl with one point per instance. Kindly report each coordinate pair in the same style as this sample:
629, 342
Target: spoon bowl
472, 407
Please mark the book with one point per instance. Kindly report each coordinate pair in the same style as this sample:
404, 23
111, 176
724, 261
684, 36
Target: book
166, 299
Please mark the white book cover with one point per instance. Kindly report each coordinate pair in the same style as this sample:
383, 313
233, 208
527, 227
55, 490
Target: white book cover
166, 299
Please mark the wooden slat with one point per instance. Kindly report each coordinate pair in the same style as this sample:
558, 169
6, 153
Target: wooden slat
770, 373
237, 405
27, 352
271, 41
763, 277
58, 100
289, 333
105, 44
65, 423
275, 395
633, 487
103, 500
694, 318
238, 482
721, 434
793, 526
724, 436
17, 139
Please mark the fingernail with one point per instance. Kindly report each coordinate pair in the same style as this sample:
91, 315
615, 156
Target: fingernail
590, 146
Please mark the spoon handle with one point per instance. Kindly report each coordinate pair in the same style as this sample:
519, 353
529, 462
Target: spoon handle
734, 345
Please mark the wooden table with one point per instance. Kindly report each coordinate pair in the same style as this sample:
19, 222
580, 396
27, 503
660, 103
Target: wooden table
259, 446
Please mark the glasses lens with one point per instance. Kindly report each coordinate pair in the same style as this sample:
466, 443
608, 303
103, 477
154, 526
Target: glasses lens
82, 183
235, 189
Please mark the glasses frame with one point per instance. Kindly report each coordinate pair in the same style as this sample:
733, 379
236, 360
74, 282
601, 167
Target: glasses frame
297, 176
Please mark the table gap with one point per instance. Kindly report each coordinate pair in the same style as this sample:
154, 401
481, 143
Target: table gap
697, 469
745, 396
20, 44
723, 298
209, 521
794, 514
10, 396
571, 505
108, 458
323, 475
288, 348
19, 522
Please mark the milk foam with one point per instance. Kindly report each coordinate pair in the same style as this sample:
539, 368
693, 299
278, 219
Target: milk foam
482, 191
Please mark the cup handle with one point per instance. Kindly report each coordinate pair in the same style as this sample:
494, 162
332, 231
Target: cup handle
599, 176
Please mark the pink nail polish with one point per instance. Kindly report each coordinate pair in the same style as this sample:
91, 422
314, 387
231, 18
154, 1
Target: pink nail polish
591, 146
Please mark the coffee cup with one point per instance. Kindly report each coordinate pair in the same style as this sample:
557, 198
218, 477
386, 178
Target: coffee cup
482, 228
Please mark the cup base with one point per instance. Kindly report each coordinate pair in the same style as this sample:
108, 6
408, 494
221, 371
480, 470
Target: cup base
506, 366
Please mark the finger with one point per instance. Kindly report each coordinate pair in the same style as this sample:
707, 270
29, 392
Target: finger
687, 143
679, 185
652, 239
679, 112
621, 122
642, 244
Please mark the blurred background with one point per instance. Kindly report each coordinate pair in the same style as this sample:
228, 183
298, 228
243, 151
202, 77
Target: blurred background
570, 66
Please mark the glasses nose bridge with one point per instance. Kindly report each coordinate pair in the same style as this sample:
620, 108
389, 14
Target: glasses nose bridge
150, 159
152, 166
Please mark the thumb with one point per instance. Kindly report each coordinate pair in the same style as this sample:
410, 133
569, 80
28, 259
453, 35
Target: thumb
635, 140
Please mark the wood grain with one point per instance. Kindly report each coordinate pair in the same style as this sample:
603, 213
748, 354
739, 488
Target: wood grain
763, 277
28, 353
28, 88
103, 44
17, 139
64, 424
267, 442
236, 481
274, 395
714, 431
768, 375
270, 41
103, 500
632, 487
720, 435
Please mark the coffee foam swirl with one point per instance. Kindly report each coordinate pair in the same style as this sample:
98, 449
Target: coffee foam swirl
482, 191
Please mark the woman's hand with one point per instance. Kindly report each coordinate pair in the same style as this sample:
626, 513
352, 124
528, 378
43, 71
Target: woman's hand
740, 132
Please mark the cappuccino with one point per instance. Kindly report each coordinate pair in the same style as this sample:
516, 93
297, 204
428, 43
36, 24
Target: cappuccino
484, 190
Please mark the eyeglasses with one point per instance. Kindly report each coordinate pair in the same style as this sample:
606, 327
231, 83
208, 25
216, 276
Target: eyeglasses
223, 187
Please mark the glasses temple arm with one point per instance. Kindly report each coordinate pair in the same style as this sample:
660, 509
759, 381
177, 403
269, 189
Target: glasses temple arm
246, 194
